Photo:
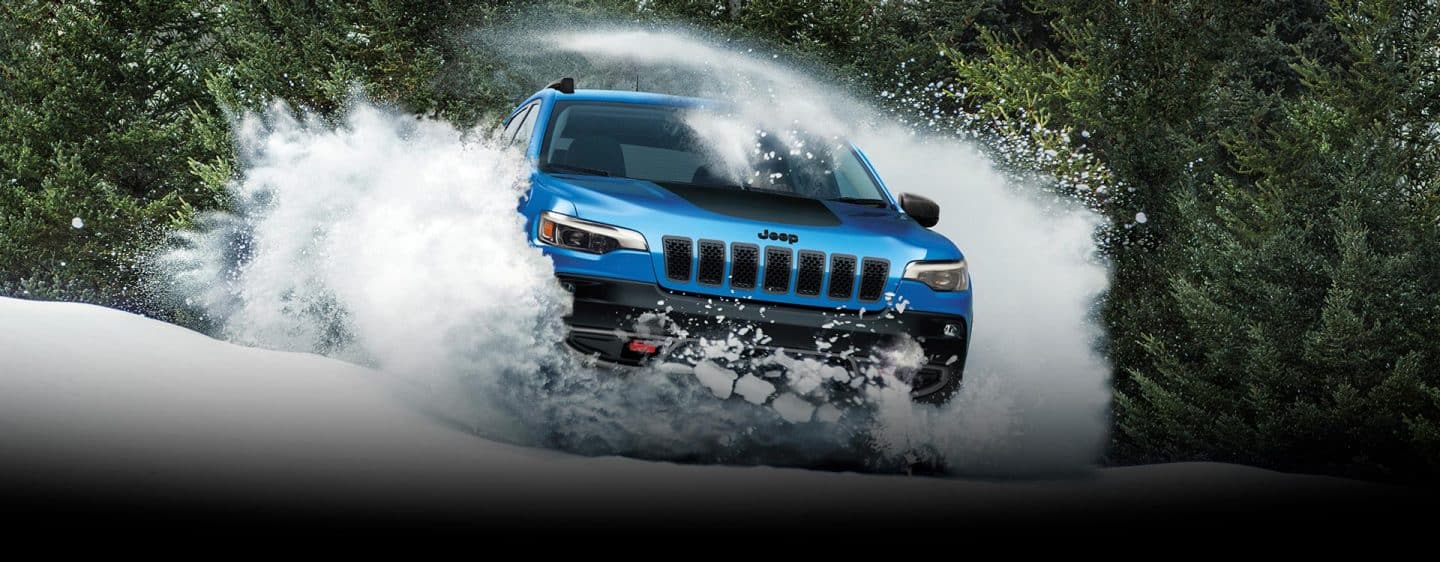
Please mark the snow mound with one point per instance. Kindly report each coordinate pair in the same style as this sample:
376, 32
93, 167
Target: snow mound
96, 399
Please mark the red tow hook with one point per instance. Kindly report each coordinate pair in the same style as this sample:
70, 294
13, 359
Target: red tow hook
643, 347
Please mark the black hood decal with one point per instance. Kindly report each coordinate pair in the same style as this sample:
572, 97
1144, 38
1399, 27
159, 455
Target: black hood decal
756, 205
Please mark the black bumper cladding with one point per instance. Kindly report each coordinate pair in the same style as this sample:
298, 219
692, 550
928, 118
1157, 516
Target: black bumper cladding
628, 323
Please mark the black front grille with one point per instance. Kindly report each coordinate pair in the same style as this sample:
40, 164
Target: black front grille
744, 265
873, 274
712, 262
804, 272
777, 269
842, 277
678, 257
810, 273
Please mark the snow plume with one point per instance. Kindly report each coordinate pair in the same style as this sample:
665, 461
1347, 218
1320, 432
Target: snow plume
394, 242
387, 241
1036, 391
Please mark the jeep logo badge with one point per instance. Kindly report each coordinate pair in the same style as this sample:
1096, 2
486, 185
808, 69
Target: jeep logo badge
779, 236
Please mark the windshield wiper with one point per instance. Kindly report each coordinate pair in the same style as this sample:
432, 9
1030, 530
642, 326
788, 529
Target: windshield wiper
707, 185
580, 169
775, 191
861, 201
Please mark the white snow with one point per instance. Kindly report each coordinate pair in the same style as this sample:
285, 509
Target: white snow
805, 377
754, 389
92, 396
793, 408
675, 368
716, 378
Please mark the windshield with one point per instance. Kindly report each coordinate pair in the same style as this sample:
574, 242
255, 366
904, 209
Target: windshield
674, 145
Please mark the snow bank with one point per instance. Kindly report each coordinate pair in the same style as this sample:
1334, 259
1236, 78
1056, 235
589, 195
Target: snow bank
96, 399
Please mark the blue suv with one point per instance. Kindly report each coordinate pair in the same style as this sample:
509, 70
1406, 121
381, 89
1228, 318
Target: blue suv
666, 249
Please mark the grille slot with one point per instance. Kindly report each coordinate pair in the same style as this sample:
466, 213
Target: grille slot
744, 265
810, 273
712, 262
679, 255
777, 269
804, 272
842, 277
873, 274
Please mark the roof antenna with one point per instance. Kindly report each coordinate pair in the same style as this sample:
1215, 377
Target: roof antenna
637, 77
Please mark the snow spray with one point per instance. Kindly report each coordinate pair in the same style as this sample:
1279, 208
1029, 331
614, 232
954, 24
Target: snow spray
395, 242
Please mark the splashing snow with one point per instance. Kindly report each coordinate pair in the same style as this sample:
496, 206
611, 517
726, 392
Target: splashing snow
386, 241
394, 242
1036, 394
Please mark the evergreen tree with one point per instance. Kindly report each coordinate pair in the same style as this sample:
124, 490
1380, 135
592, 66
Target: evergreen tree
1308, 284
1274, 296
116, 115
104, 110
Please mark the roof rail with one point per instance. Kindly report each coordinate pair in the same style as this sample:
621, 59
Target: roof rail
564, 85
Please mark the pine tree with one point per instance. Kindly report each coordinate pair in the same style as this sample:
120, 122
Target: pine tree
1311, 296
116, 116
1279, 304
104, 112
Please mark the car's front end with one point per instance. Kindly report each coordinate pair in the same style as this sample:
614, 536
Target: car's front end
665, 264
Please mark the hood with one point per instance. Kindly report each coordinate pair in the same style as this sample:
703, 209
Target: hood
673, 214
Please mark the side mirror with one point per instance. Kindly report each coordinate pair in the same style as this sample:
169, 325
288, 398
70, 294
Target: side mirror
924, 211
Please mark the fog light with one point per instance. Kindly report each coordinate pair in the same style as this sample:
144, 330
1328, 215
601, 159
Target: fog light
953, 330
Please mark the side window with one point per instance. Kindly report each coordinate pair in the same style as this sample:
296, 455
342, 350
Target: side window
527, 126
513, 124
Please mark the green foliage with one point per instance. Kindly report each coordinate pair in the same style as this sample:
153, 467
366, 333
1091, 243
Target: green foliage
1281, 304
102, 107
316, 54
1153, 84
870, 45
117, 113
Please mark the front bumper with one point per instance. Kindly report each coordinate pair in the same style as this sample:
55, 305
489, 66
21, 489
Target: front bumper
609, 314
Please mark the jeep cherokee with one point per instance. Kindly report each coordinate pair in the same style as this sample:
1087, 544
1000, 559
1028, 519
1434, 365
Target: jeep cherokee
665, 247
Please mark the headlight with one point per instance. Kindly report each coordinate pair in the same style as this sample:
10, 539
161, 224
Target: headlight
564, 231
940, 275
